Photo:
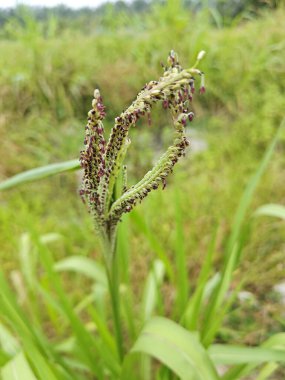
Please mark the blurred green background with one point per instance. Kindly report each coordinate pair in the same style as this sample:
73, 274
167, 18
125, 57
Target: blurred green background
52, 59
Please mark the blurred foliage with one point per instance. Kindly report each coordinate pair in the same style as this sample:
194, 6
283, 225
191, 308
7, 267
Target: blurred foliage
52, 59
84, 17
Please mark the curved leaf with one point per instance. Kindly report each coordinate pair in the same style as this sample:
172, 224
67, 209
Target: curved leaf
271, 210
83, 265
175, 347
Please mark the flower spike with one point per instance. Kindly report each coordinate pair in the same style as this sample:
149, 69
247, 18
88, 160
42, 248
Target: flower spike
102, 162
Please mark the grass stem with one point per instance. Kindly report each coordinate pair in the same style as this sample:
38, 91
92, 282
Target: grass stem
113, 276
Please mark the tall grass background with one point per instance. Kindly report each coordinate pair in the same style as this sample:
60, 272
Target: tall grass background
180, 242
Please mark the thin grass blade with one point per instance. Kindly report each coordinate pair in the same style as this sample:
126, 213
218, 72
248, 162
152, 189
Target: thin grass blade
154, 243
181, 257
191, 315
275, 210
84, 266
39, 173
276, 342
232, 355
250, 189
151, 290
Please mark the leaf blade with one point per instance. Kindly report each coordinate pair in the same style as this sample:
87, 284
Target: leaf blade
17, 368
39, 173
177, 348
230, 355
271, 209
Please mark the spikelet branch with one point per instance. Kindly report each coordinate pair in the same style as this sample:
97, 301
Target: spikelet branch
103, 162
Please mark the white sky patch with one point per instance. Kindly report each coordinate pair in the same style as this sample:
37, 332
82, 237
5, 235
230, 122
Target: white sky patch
52, 3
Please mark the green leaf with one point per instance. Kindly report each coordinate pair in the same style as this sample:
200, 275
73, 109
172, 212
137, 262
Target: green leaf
275, 210
217, 299
181, 256
17, 368
191, 314
229, 355
33, 343
175, 347
150, 294
154, 243
234, 247
39, 173
250, 189
276, 342
267, 371
83, 265
8, 343
87, 345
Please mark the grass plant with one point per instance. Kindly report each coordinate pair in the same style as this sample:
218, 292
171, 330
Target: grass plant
186, 349
182, 259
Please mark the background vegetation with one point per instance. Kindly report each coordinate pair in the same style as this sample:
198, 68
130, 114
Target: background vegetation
50, 63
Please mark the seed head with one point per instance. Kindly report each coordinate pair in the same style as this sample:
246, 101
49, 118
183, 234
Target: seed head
201, 55
102, 161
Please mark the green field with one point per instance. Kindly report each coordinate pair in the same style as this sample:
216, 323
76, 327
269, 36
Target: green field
48, 72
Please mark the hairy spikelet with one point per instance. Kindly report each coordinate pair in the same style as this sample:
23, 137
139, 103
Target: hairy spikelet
103, 162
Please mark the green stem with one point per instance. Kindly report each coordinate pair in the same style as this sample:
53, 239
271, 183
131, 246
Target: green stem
112, 270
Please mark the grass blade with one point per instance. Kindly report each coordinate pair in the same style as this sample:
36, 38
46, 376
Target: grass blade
267, 371
175, 347
7, 341
274, 210
154, 243
191, 314
235, 243
276, 342
87, 345
83, 265
150, 294
17, 368
39, 173
217, 299
32, 344
230, 355
180, 255
249, 191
